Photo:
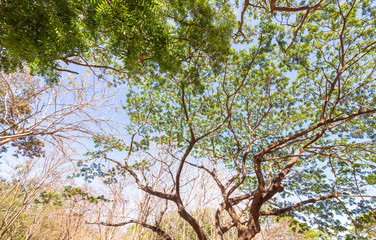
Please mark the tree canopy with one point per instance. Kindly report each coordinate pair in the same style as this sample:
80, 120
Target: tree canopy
114, 35
273, 100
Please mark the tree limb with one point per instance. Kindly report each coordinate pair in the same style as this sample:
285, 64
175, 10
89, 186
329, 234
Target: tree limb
155, 229
274, 7
296, 205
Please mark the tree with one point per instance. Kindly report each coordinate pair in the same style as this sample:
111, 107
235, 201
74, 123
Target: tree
278, 112
34, 204
278, 137
18, 192
39, 128
34, 114
120, 36
365, 227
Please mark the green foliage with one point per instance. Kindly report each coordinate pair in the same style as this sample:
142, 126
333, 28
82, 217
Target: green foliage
365, 226
302, 228
37, 33
49, 216
131, 35
68, 192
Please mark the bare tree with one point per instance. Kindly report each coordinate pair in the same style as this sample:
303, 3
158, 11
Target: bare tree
39, 130
33, 112
22, 185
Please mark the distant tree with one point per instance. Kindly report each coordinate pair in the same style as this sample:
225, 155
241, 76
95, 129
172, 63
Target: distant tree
19, 190
365, 227
39, 124
287, 227
35, 204
32, 113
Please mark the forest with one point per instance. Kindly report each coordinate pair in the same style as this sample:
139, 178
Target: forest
187, 119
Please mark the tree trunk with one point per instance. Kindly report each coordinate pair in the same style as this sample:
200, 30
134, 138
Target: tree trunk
246, 234
249, 231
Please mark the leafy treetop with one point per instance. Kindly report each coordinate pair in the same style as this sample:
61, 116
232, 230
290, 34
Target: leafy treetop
122, 36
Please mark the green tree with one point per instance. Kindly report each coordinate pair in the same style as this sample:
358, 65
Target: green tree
278, 111
365, 227
120, 36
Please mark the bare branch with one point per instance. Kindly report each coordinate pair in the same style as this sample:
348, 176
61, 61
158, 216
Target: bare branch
155, 229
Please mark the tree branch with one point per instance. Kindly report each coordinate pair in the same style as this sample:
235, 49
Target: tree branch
273, 7
314, 127
296, 205
155, 229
